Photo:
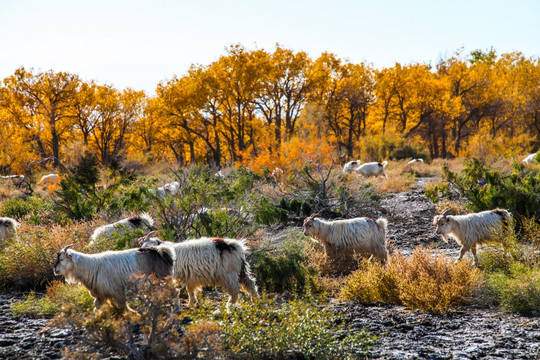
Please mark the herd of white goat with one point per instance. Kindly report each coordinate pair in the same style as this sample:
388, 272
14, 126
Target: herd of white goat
222, 262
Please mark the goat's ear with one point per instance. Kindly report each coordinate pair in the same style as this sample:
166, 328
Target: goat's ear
74, 256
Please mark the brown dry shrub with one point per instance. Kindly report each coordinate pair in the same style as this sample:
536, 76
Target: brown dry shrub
202, 337
434, 283
425, 281
458, 207
373, 282
28, 261
398, 182
317, 259
152, 331
9, 190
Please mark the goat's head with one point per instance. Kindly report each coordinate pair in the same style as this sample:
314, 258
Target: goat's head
150, 239
443, 222
64, 261
311, 225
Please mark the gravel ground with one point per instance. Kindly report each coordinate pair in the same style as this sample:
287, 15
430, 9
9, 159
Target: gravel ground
26, 338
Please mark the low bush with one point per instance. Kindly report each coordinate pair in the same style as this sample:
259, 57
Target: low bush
283, 268
512, 247
162, 329
435, 283
425, 281
27, 263
373, 283
59, 297
153, 331
35, 209
291, 330
486, 188
436, 191
518, 289
207, 205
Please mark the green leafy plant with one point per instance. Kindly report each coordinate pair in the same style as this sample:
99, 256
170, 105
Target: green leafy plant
59, 296
518, 289
291, 330
486, 188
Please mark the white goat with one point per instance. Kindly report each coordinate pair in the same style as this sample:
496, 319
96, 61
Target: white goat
363, 235
107, 274
471, 229
12, 177
351, 165
210, 262
167, 189
51, 179
530, 159
415, 161
144, 221
8, 229
372, 169
220, 175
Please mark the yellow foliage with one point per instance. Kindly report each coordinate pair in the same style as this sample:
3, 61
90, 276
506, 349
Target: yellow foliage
276, 110
424, 281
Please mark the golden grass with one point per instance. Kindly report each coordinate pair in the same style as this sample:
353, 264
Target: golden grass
458, 207
29, 260
427, 281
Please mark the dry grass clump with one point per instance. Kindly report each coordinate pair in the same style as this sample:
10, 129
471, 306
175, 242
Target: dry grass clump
426, 281
28, 261
9, 190
458, 207
318, 260
396, 183
204, 335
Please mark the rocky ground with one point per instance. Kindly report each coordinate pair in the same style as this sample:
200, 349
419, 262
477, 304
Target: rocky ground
469, 333
26, 338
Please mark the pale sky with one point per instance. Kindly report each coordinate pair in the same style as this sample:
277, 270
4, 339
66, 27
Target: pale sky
138, 43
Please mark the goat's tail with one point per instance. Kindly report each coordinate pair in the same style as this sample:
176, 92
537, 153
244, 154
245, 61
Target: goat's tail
382, 223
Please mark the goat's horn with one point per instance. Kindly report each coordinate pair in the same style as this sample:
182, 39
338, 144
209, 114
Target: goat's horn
66, 247
446, 211
153, 233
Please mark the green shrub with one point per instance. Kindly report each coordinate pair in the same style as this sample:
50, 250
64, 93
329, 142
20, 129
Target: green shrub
34, 306
120, 240
58, 297
80, 197
35, 209
207, 205
435, 192
284, 269
518, 290
512, 247
486, 188
291, 330
266, 213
